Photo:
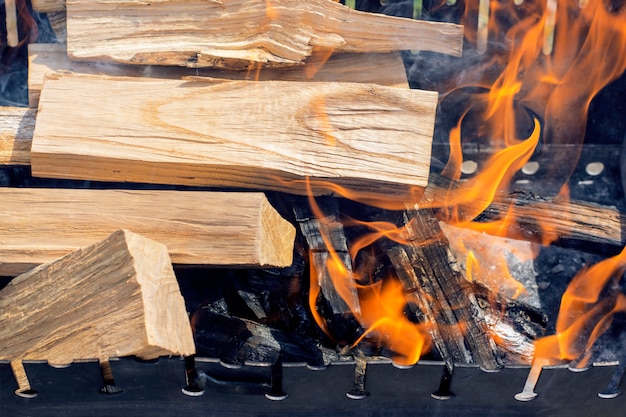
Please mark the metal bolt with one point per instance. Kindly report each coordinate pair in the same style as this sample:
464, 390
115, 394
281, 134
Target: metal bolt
444, 393
109, 382
612, 390
360, 369
276, 391
194, 387
528, 392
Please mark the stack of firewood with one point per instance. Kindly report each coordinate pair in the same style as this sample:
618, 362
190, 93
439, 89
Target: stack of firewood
303, 97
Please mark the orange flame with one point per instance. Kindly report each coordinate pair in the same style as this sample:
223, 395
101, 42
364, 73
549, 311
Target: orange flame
383, 307
584, 315
544, 63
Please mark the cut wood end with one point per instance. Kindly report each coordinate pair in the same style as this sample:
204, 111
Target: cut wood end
167, 329
278, 236
117, 297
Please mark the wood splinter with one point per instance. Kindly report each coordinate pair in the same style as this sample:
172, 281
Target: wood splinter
118, 297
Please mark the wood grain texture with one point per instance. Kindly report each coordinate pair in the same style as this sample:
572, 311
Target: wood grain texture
40, 225
48, 6
383, 68
118, 297
256, 135
235, 33
16, 133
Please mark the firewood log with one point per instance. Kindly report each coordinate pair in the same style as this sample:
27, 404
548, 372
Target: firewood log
16, 133
40, 225
118, 297
235, 33
382, 68
256, 135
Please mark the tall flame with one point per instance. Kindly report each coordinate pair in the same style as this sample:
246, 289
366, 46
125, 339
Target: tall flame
544, 62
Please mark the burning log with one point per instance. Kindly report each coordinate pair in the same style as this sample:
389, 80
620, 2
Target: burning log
383, 68
329, 256
40, 225
426, 264
363, 137
118, 297
235, 33
535, 216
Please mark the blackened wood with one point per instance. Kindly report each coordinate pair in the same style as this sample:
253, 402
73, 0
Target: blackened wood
327, 243
537, 219
514, 324
429, 253
447, 338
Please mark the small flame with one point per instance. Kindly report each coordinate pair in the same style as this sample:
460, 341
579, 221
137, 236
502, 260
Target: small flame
584, 314
383, 306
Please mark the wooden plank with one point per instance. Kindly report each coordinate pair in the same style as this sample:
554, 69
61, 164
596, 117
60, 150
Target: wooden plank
256, 135
40, 225
234, 33
16, 133
384, 69
118, 297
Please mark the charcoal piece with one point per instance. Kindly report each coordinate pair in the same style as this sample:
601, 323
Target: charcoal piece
235, 340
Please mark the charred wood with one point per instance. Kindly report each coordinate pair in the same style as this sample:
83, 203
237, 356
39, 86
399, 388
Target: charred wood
427, 258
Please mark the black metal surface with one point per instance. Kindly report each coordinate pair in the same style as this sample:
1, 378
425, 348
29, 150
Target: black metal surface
154, 389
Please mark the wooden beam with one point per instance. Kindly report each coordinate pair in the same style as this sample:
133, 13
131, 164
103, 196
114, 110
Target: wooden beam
256, 135
384, 69
117, 297
40, 225
16, 133
235, 33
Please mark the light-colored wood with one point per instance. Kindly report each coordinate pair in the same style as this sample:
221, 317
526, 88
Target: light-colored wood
48, 6
57, 20
234, 33
257, 135
118, 297
10, 13
211, 228
384, 69
16, 133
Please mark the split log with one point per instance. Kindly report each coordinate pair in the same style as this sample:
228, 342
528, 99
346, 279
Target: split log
40, 225
537, 219
16, 133
329, 258
236, 33
426, 264
384, 69
584, 222
118, 297
257, 135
